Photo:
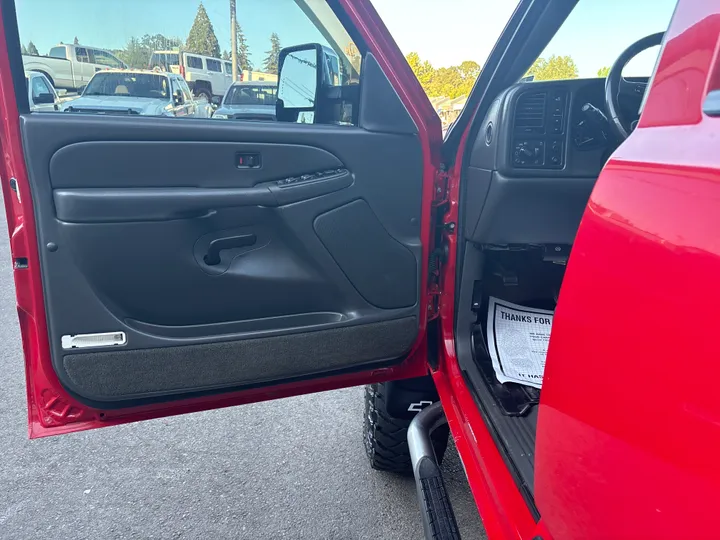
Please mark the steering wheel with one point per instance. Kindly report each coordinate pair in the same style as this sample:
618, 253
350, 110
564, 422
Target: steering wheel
615, 84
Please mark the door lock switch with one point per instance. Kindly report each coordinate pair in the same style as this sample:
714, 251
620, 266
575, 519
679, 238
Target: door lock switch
247, 160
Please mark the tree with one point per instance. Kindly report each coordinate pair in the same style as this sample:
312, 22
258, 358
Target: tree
603, 72
137, 51
159, 42
32, 49
422, 69
469, 71
270, 64
446, 82
225, 55
243, 52
554, 68
134, 54
75, 41
23, 49
201, 38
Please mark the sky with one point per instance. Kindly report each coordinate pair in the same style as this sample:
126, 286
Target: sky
445, 32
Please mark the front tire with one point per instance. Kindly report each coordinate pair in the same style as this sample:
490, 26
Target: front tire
385, 436
204, 92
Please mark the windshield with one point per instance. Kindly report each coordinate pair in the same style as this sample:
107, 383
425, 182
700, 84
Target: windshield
596, 32
140, 85
251, 95
164, 60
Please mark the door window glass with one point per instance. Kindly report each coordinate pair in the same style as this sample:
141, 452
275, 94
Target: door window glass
187, 94
573, 52
447, 63
251, 94
106, 59
39, 86
176, 87
82, 54
197, 38
194, 62
57, 52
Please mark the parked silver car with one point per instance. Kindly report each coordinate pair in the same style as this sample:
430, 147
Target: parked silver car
249, 100
140, 92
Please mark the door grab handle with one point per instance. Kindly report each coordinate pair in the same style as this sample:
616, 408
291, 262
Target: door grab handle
219, 244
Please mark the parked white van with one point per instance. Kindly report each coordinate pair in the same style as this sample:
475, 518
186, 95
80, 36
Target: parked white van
72, 66
206, 76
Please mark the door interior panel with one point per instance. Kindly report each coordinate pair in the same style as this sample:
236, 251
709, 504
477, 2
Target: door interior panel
220, 275
196, 164
144, 373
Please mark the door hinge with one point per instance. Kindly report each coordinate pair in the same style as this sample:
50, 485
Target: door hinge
440, 187
439, 253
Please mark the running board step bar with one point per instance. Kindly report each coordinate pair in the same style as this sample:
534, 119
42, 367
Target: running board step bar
437, 513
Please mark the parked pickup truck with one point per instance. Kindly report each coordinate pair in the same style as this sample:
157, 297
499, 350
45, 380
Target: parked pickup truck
71, 66
138, 92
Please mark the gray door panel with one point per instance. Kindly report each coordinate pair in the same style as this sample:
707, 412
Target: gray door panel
222, 277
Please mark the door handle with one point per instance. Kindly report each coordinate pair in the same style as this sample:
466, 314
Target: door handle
220, 244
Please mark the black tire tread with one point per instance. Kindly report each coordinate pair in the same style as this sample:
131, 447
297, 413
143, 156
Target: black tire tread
385, 437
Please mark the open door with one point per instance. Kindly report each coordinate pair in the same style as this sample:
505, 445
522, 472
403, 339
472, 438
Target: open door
167, 265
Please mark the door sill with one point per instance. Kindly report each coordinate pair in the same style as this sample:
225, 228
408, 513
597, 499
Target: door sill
513, 435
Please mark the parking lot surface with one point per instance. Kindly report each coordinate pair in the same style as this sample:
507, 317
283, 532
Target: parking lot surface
293, 468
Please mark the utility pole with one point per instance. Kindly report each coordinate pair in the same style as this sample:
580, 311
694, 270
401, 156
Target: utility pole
233, 40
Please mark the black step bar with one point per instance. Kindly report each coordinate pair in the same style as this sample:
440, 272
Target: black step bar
437, 513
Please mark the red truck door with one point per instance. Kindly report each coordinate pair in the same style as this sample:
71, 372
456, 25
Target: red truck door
628, 437
156, 275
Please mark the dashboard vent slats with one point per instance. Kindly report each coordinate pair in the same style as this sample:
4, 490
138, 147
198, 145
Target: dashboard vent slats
530, 112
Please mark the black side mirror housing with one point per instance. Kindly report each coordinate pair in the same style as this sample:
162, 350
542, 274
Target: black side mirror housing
178, 98
305, 73
44, 99
81, 90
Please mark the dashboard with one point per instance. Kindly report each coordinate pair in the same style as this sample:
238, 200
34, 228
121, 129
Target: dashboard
535, 159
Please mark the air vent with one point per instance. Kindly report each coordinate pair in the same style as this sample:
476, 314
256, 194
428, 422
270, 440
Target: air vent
530, 113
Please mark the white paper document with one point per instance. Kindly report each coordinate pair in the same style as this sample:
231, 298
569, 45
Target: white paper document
518, 339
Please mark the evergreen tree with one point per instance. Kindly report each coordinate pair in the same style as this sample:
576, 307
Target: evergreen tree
75, 41
32, 49
270, 64
202, 38
225, 55
243, 53
23, 49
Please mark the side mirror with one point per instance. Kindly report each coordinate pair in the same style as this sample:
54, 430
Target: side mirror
178, 98
44, 98
216, 100
299, 79
81, 90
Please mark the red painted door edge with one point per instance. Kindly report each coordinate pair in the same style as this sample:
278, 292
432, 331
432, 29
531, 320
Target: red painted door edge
503, 510
51, 410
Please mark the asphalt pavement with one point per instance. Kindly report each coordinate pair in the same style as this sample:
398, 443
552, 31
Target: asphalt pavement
292, 468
